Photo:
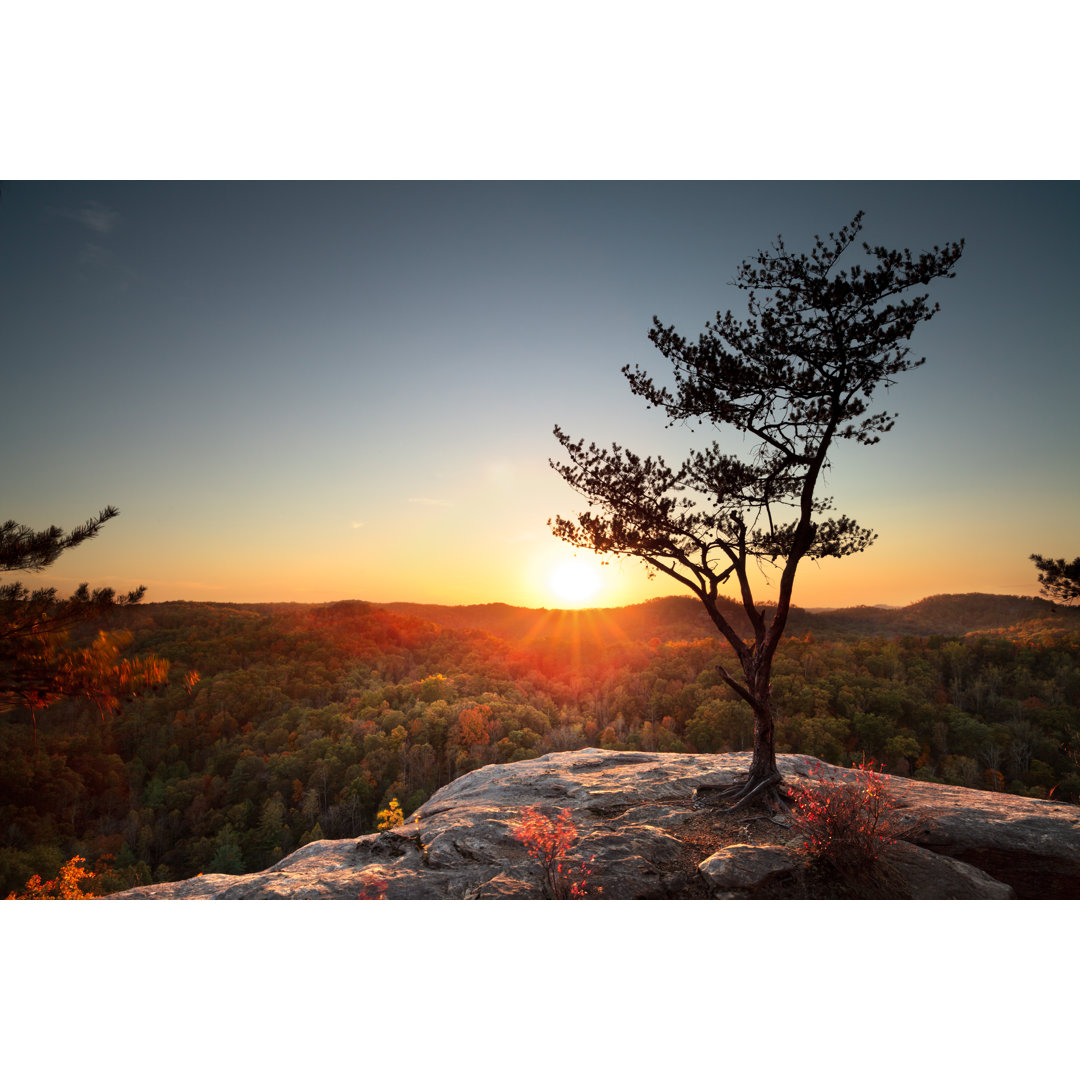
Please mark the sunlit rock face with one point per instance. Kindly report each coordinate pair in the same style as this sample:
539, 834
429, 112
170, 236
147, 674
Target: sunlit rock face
641, 836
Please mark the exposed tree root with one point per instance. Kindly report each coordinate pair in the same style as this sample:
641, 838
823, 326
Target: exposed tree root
753, 792
743, 793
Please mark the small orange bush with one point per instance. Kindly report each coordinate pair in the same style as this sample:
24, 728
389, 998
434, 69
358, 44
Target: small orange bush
548, 840
391, 817
65, 886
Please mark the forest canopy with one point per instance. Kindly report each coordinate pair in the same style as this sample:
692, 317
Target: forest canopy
308, 720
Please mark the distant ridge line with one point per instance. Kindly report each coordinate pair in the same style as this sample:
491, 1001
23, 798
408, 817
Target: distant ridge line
683, 618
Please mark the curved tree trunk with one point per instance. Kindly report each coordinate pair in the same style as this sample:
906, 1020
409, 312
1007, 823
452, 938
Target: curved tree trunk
759, 786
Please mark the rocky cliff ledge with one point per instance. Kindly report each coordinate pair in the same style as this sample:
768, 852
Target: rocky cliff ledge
654, 840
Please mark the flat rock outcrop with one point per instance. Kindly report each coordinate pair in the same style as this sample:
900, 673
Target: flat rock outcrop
644, 838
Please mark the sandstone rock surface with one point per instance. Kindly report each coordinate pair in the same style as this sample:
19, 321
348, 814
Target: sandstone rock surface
636, 819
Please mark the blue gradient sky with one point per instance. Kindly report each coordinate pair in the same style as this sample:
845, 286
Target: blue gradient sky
321, 391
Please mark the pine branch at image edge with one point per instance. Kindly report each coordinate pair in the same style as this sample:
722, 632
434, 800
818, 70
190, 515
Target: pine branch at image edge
823, 335
1060, 580
38, 666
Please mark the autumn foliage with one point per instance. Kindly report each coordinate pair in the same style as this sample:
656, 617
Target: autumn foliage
391, 817
67, 885
847, 823
548, 841
308, 720
101, 674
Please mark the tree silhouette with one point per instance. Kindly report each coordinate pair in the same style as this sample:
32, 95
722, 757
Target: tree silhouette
1060, 580
794, 377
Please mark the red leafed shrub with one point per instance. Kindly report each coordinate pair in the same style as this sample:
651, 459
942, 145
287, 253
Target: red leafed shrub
548, 840
847, 822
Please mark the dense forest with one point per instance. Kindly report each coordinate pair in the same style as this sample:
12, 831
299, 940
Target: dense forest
282, 724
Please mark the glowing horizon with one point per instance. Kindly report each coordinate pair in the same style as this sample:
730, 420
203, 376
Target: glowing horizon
617, 585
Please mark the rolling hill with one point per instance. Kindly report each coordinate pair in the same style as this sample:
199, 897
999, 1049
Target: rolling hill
674, 618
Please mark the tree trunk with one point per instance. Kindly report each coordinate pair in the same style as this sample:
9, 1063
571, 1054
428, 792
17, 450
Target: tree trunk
763, 766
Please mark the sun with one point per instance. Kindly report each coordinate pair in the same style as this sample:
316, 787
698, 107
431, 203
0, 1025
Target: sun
573, 582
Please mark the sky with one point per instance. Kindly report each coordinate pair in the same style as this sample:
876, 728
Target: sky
320, 391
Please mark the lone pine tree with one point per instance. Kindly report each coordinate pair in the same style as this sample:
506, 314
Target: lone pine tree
794, 377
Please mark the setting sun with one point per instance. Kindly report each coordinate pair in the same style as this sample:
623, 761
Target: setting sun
573, 582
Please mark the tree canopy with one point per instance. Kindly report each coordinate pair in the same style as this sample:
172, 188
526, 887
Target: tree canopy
25, 614
822, 337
